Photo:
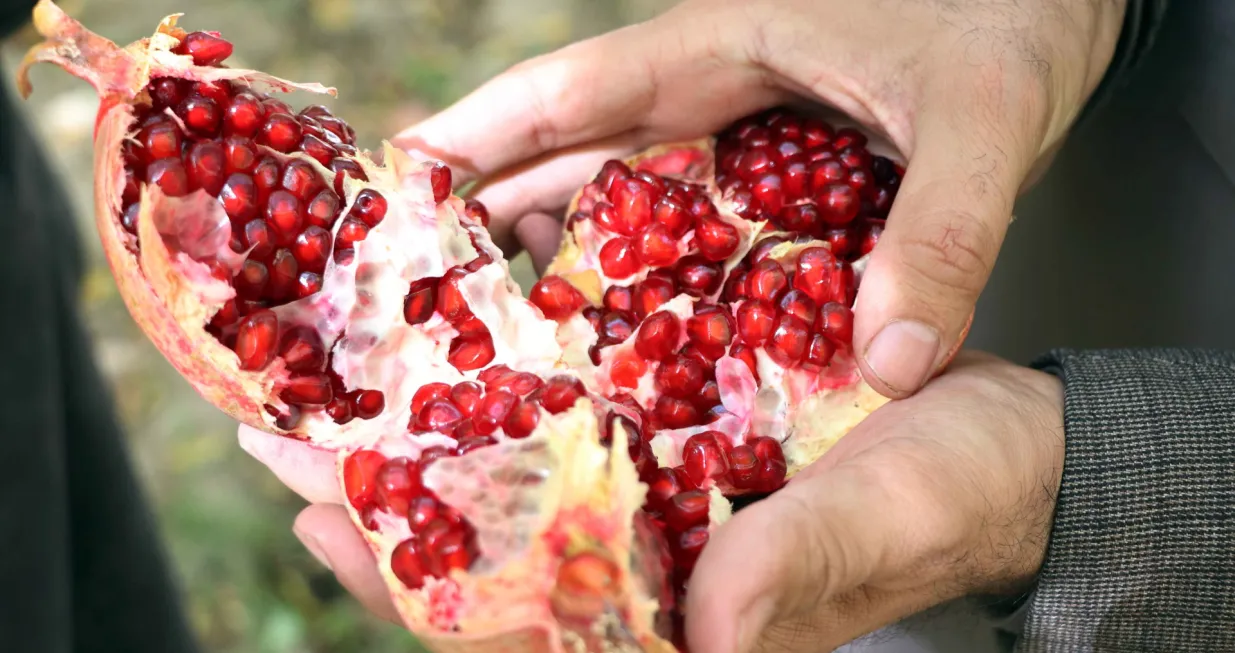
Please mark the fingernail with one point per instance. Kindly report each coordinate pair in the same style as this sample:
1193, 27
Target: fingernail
314, 547
903, 354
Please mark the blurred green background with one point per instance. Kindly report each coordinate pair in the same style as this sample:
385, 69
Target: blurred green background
250, 586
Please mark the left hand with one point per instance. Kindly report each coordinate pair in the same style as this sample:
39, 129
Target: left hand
944, 494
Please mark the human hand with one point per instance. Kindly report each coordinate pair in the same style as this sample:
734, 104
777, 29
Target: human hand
944, 494
972, 93
948, 493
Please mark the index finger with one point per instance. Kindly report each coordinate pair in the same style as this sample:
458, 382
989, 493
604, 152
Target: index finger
662, 79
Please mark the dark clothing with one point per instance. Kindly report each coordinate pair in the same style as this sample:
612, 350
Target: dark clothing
1141, 557
1128, 243
81, 565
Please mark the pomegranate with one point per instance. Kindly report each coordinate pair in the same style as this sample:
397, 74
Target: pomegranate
532, 474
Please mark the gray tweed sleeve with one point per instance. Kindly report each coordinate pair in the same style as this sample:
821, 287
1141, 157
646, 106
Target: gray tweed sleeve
1142, 553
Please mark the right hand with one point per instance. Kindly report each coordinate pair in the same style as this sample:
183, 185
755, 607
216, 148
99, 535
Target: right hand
973, 94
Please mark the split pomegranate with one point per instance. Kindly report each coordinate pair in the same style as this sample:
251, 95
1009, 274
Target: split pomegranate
533, 474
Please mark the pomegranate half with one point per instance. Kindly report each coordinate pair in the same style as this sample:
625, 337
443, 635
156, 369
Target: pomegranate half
533, 474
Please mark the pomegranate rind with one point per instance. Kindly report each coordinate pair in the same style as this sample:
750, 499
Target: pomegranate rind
535, 503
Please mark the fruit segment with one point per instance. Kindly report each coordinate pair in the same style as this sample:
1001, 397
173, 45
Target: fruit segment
534, 474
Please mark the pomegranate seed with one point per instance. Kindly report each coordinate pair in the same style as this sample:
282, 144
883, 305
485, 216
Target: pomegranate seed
492, 410
838, 204
610, 173
819, 352
836, 321
450, 302
406, 565
206, 49
686, 509
522, 420
556, 297
351, 232
300, 179
796, 181
396, 481
697, 276
704, 458
251, 282
369, 404
477, 212
167, 92
650, 294
470, 442
307, 390
673, 216
302, 350
680, 377
772, 466
422, 510
170, 176
869, 235
438, 414
663, 486
128, 219
658, 336
606, 216
200, 114
281, 133
259, 237
439, 179
318, 149
619, 298
657, 247
421, 300
814, 274
561, 392
747, 356
239, 198
239, 154
798, 304
285, 215
710, 329
789, 341
676, 413
307, 284
426, 392
160, 140
360, 475
717, 240
617, 258
743, 467
826, 173
312, 248
256, 339
766, 281
446, 548
768, 191
471, 351
243, 116
626, 370
344, 168
803, 218
370, 207
755, 321
689, 545
206, 166
764, 248
466, 395
632, 201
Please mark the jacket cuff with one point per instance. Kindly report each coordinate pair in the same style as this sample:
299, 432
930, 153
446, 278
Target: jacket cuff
1141, 555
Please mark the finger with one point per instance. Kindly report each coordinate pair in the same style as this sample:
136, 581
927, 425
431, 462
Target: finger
541, 235
545, 184
680, 75
784, 555
943, 235
328, 533
306, 469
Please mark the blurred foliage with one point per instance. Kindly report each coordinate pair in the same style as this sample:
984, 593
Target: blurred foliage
251, 587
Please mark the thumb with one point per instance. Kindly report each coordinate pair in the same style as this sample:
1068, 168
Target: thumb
785, 556
919, 289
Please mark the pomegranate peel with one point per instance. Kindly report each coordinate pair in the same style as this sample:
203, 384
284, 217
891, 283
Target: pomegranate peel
532, 474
